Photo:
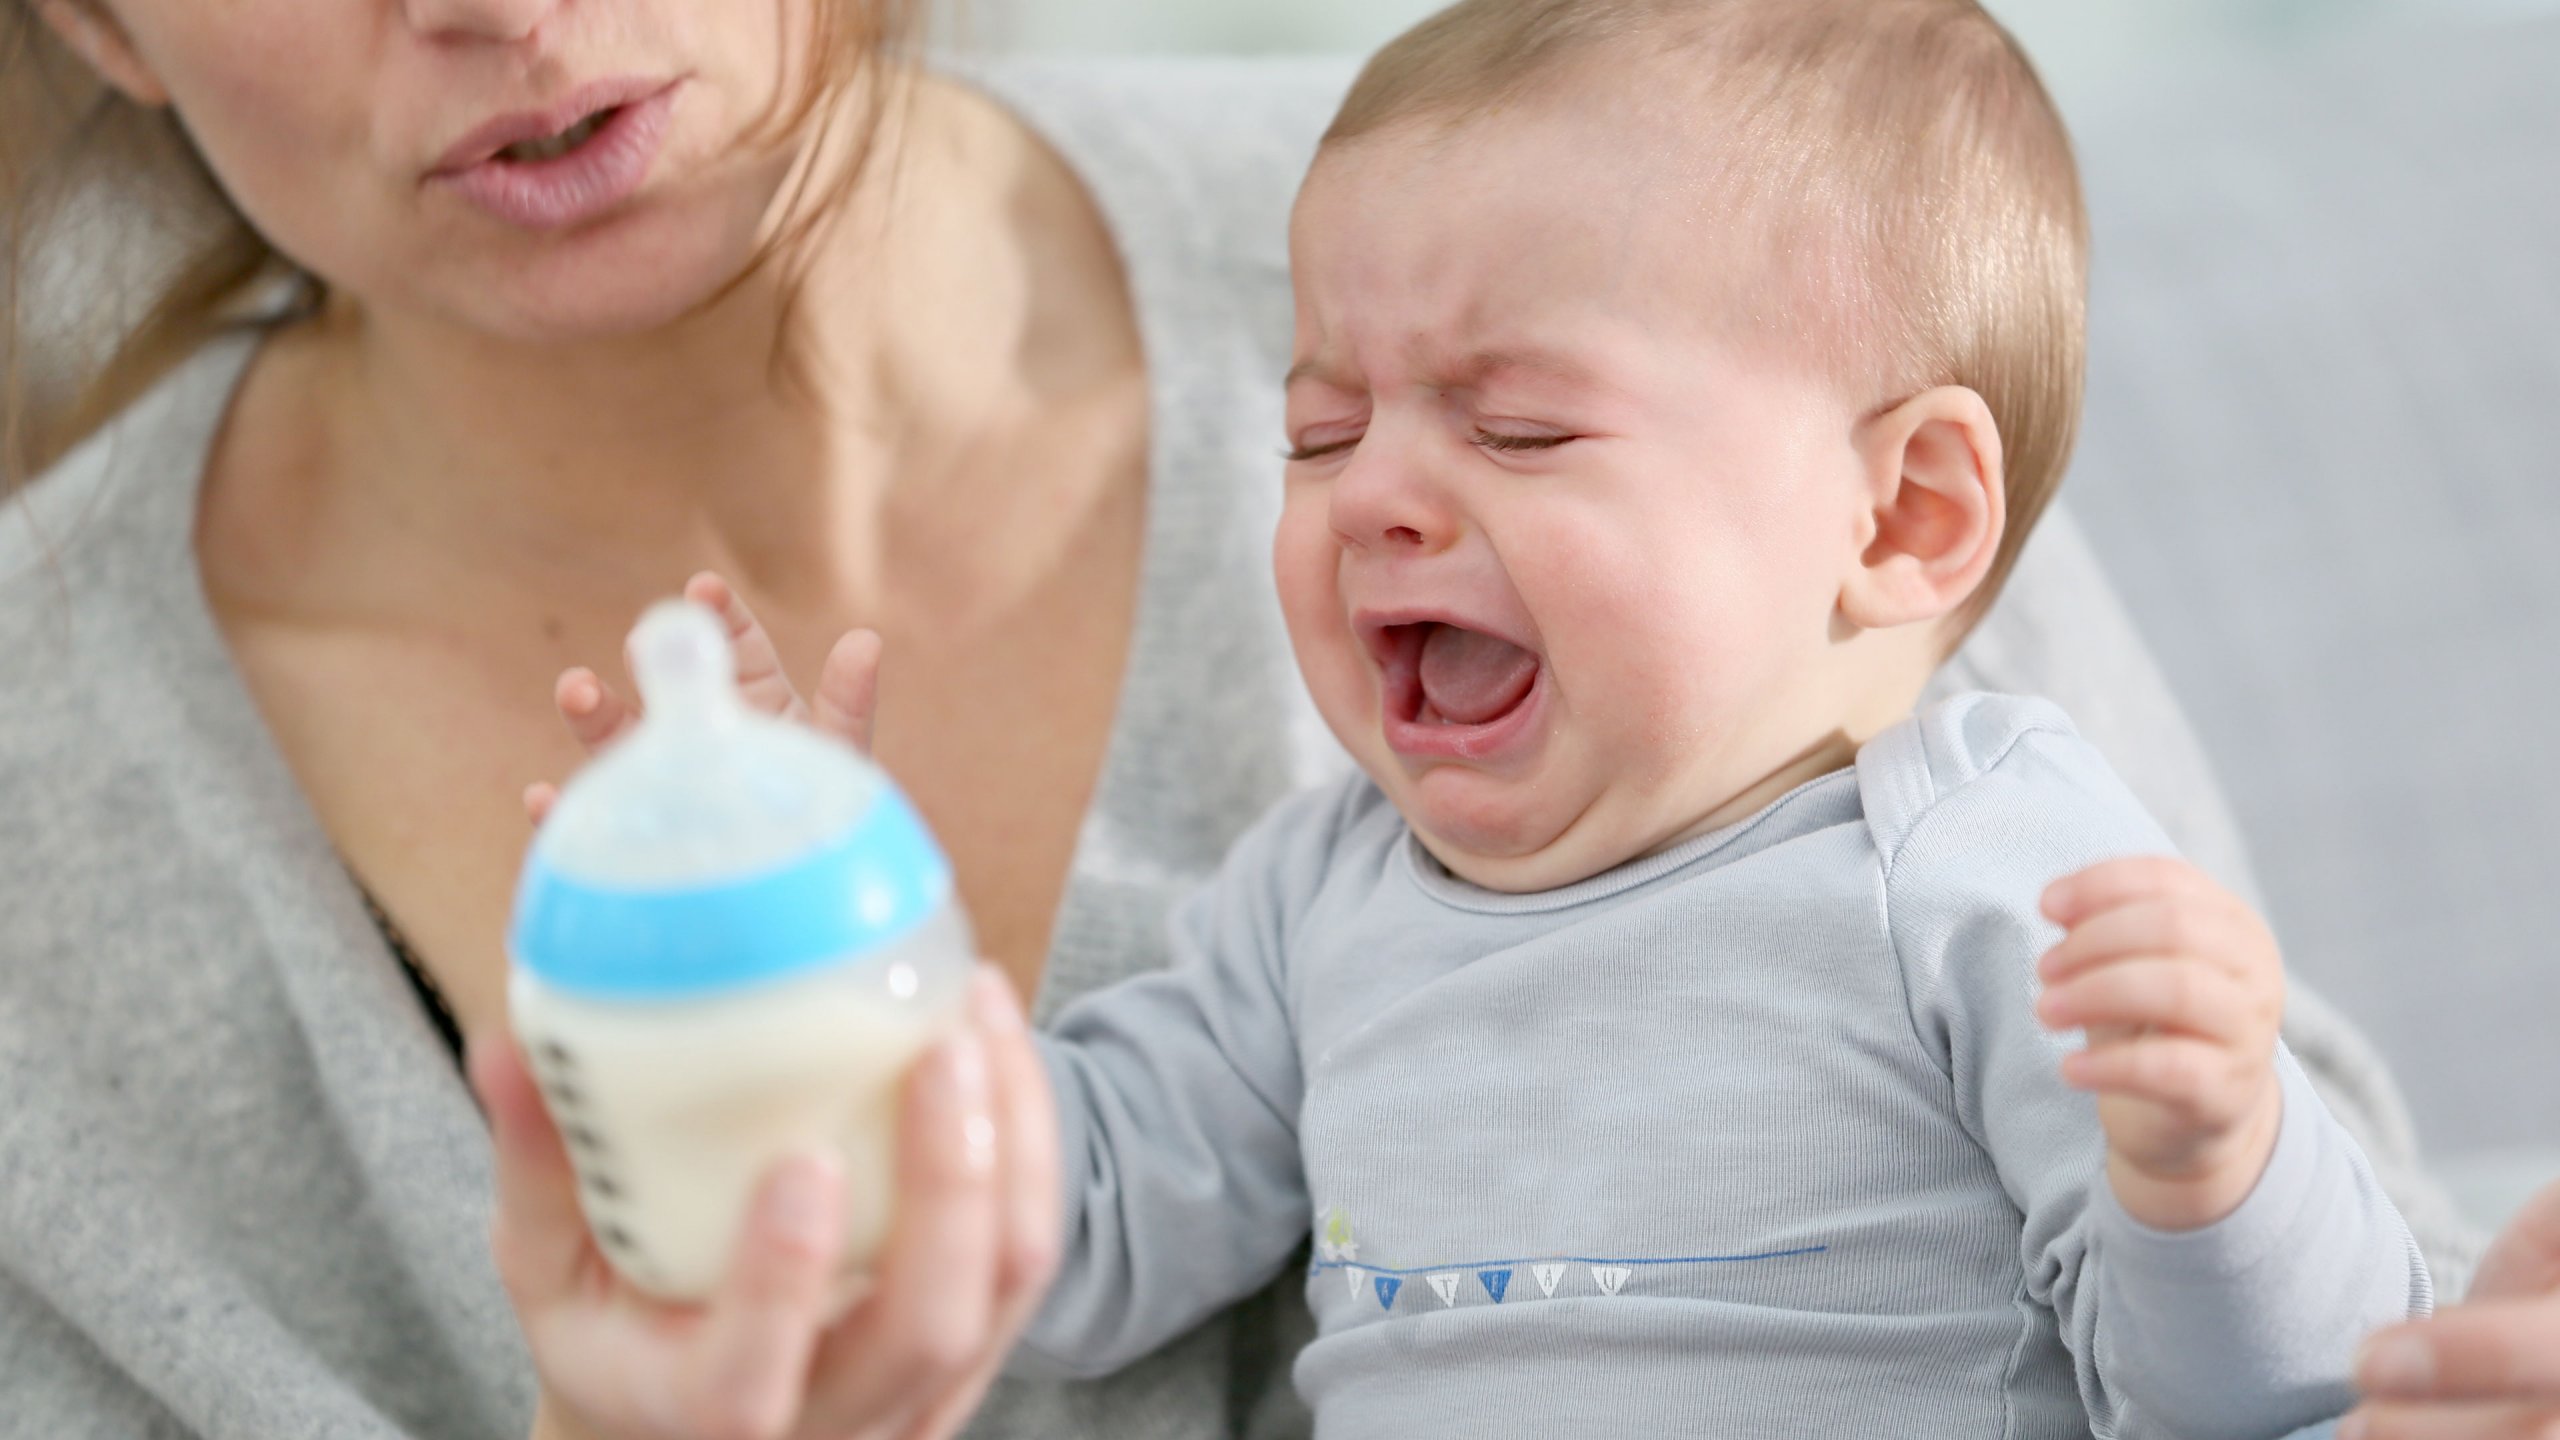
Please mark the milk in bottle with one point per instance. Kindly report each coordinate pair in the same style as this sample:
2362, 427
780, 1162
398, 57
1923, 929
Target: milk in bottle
731, 937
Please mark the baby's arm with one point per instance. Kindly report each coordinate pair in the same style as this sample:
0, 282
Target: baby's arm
2179, 988
2268, 1253
1178, 1095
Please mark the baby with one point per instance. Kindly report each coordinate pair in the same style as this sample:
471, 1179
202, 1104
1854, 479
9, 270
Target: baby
1660, 1038
1664, 1036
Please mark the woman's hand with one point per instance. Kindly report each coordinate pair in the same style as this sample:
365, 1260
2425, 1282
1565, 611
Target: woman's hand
971, 1250
2487, 1369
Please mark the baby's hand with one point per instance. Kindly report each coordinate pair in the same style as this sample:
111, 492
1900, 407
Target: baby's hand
2180, 988
848, 685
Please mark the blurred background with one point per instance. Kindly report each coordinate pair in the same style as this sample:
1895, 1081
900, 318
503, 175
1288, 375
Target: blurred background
2088, 48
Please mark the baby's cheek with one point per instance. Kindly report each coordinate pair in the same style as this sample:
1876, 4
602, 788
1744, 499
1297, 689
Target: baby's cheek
1306, 564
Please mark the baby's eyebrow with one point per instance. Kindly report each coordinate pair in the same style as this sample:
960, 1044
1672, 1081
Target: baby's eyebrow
1485, 365
1590, 378
1479, 367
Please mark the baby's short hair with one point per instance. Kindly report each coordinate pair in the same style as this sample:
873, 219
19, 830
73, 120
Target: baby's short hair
1925, 205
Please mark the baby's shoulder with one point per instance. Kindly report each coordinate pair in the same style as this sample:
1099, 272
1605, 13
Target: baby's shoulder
1992, 786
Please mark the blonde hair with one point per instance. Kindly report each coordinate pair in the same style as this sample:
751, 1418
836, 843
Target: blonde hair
68, 143
1919, 180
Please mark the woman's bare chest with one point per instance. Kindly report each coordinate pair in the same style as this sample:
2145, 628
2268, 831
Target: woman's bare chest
414, 743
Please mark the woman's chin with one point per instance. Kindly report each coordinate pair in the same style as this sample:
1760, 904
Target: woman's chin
586, 308
631, 279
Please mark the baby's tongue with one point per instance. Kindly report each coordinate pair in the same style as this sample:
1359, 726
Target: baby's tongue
1470, 677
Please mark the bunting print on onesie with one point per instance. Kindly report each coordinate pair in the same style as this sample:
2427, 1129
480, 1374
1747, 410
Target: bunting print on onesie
1451, 1286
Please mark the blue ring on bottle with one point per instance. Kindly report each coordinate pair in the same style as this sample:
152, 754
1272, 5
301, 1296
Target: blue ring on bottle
873, 887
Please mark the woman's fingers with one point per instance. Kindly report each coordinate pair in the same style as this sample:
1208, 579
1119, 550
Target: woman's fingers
2525, 1258
930, 1323
595, 715
2452, 1422
1026, 1122
1027, 1126
849, 689
762, 682
539, 1234
2505, 1350
539, 797
750, 1366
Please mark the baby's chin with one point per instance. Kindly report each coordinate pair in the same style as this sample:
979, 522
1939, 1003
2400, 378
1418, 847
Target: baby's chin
1512, 850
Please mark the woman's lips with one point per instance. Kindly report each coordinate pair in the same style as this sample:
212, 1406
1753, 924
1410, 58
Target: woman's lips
1416, 730
573, 188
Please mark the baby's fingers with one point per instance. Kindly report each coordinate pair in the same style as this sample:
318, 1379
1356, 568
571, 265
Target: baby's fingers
2214, 928
2074, 898
761, 679
2195, 1078
2163, 995
2167, 1070
595, 715
848, 689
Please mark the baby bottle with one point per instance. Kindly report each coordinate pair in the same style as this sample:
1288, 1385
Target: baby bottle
731, 937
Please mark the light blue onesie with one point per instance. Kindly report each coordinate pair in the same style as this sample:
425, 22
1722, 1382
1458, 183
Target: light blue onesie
1756, 1137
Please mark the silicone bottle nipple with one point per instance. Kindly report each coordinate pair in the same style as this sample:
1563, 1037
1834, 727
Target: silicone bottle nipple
681, 655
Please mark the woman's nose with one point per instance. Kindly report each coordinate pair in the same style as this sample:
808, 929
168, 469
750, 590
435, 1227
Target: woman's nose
479, 19
1384, 504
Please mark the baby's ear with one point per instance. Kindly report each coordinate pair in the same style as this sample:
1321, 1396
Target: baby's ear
1934, 485
96, 37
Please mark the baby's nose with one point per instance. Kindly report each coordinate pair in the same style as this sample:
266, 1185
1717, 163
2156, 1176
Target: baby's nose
1390, 508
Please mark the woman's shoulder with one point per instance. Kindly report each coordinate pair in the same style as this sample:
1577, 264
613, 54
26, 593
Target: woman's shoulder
96, 559
129, 487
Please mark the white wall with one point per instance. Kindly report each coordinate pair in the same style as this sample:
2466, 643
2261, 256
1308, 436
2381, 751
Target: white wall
2083, 45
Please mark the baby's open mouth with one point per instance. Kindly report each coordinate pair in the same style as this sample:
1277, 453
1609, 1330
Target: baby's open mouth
1449, 675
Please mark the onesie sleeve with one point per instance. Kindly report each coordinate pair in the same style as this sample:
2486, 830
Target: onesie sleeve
1178, 1095
2245, 1328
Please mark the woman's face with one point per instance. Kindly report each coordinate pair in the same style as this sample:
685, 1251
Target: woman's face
368, 140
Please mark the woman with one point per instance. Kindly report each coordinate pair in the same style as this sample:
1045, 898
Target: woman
583, 296
2487, 1369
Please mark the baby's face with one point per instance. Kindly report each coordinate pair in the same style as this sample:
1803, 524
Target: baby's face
1562, 551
